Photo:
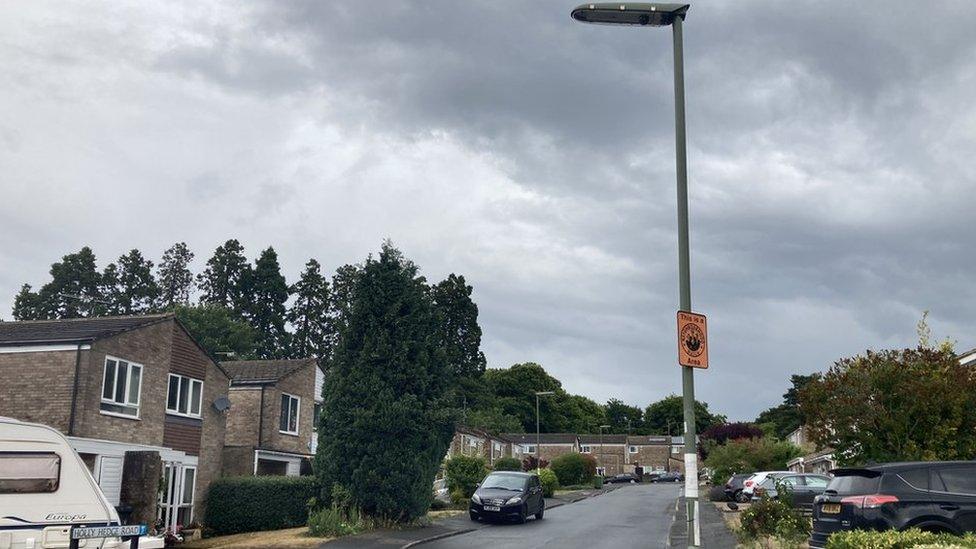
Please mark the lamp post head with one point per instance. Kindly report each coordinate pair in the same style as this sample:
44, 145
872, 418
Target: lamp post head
630, 13
544, 393
604, 426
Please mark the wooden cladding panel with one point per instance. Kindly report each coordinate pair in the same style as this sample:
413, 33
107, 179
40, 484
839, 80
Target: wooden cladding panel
188, 359
181, 433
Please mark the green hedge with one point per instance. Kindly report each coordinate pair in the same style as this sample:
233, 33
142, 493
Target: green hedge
572, 469
862, 539
508, 464
549, 482
251, 504
463, 474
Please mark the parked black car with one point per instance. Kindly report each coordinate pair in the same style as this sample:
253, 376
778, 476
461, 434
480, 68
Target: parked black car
673, 476
933, 496
803, 486
623, 477
733, 488
508, 495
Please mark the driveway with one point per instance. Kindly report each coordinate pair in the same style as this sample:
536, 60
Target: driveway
634, 516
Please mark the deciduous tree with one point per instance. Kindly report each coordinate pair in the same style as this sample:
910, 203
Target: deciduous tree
667, 416
74, 289
894, 405
218, 330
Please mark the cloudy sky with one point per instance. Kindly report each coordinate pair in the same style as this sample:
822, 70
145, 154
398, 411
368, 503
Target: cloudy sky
831, 164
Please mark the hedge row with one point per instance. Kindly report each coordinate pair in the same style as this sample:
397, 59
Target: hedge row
861, 539
251, 504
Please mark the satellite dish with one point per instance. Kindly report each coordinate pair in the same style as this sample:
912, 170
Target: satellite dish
222, 404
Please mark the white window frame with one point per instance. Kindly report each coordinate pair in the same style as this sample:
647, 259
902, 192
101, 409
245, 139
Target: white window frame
602, 471
530, 449
586, 449
189, 381
298, 414
632, 449
130, 368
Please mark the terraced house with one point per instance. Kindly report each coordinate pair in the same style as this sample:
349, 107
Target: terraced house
272, 422
137, 397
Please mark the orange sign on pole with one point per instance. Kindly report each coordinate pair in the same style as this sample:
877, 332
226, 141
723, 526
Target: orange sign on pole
692, 340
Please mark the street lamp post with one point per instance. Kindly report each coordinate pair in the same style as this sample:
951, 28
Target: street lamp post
538, 448
662, 15
602, 427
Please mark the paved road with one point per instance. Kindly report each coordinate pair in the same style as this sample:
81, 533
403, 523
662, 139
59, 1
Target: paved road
636, 516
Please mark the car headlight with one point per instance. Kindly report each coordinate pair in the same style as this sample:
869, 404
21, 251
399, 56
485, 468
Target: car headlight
513, 501
475, 498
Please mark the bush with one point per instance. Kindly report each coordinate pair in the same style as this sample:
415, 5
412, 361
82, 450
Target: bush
574, 469
508, 464
776, 519
463, 474
438, 505
862, 539
549, 482
747, 455
250, 504
530, 463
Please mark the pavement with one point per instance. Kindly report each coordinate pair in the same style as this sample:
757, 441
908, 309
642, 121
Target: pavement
714, 533
636, 516
444, 528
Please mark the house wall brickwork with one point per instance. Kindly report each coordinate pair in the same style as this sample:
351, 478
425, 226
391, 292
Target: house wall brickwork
650, 457
550, 452
302, 385
238, 461
244, 417
44, 396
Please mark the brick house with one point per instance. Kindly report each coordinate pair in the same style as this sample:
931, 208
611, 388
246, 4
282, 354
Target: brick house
550, 445
815, 460
272, 422
610, 452
650, 452
120, 387
469, 441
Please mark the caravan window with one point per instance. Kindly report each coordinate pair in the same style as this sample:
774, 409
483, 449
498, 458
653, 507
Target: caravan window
29, 472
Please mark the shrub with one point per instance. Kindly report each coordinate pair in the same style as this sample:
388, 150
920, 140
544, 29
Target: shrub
531, 464
776, 519
438, 505
458, 497
573, 469
549, 482
747, 455
508, 464
891, 539
250, 504
463, 474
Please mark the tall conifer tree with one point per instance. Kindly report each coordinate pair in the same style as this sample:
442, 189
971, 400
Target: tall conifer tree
309, 313
265, 309
226, 279
387, 422
173, 276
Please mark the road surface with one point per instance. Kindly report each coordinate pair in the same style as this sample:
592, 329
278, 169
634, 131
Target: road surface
637, 516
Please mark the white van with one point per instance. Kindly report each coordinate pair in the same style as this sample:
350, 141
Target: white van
46, 490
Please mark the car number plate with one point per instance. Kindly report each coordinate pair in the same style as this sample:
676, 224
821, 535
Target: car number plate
492, 508
830, 508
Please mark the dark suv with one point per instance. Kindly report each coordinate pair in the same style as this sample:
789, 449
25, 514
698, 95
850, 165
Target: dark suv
937, 496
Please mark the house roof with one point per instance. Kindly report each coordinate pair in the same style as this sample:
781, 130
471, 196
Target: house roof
474, 431
544, 438
649, 440
244, 372
607, 439
33, 332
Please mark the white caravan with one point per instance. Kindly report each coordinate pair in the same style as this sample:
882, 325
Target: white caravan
46, 489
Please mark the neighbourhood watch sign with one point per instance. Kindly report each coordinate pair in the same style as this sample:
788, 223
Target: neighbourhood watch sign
692, 340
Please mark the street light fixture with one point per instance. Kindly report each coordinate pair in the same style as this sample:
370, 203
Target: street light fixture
537, 445
602, 427
673, 15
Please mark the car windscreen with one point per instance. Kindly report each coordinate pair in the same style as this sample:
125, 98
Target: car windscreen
29, 472
854, 484
505, 482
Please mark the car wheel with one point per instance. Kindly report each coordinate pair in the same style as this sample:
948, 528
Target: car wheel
542, 511
473, 516
524, 515
741, 497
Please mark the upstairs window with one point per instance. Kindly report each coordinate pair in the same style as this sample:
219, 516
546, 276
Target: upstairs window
121, 387
184, 396
288, 421
585, 449
633, 449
